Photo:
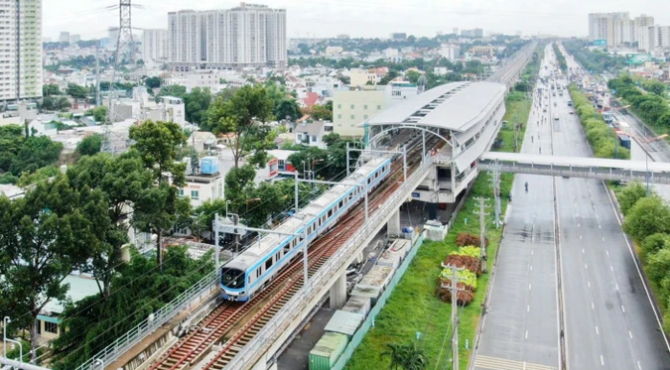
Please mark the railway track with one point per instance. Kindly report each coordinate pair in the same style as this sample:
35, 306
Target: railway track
235, 324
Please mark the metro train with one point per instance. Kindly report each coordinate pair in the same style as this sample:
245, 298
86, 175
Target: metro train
252, 270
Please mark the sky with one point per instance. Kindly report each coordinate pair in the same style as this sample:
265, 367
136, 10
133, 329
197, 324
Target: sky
364, 18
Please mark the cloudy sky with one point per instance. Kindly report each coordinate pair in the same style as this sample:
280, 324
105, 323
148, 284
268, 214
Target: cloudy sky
365, 18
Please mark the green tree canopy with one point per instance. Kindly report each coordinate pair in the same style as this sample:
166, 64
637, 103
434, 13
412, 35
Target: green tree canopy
648, 216
77, 91
90, 145
630, 195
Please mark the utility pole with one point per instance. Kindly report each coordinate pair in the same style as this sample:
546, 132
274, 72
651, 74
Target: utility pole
454, 315
482, 231
495, 183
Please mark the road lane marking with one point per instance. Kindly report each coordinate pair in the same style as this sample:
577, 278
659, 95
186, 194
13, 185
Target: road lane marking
583, 251
638, 366
586, 266
579, 225
630, 334
531, 267
526, 334
529, 286
607, 252
580, 237
593, 306
612, 268
589, 284
623, 309
600, 227
616, 286
602, 360
528, 308
496, 363
597, 331
603, 238
531, 252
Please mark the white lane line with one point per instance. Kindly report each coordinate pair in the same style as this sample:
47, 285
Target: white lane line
531, 252
579, 225
586, 266
583, 251
596, 215
528, 308
600, 227
593, 306
612, 268
529, 286
630, 334
603, 238
638, 366
623, 309
616, 286
526, 334
531, 267
602, 360
607, 252
589, 284
597, 331
580, 237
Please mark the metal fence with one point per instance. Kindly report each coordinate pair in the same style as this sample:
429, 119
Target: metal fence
292, 310
150, 324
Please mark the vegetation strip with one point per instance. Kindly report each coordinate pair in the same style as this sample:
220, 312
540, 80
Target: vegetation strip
414, 309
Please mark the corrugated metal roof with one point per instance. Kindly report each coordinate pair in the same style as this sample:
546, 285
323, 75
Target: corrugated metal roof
455, 106
330, 344
345, 322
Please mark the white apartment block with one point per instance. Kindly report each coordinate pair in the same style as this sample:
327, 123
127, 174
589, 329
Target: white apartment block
154, 45
21, 55
246, 36
619, 29
353, 107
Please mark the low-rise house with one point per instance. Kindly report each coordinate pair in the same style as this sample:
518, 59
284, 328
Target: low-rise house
311, 134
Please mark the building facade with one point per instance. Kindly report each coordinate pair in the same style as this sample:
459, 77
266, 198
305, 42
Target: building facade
353, 107
154, 45
21, 77
246, 36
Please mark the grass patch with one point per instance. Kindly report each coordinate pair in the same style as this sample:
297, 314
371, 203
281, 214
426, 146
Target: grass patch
413, 307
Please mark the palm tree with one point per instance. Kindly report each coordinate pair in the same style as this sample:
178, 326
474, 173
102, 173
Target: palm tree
406, 356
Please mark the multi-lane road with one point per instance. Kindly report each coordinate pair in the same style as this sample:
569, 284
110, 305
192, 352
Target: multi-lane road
567, 230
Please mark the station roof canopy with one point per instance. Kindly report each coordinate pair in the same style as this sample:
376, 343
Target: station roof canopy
456, 106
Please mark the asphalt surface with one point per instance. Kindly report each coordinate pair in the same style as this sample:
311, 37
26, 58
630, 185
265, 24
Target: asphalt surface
609, 320
520, 330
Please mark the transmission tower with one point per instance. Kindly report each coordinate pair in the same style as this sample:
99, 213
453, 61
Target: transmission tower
125, 43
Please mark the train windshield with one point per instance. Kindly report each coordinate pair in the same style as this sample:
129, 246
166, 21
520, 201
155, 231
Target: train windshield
232, 278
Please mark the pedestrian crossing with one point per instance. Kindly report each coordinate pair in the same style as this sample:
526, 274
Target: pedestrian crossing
494, 363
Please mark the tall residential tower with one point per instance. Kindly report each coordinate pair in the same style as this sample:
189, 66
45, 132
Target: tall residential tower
246, 36
21, 77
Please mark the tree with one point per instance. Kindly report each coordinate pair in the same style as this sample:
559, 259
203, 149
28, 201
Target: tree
177, 91
90, 145
654, 243
655, 87
99, 113
389, 77
77, 91
412, 76
50, 89
35, 152
321, 112
648, 216
196, 104
62, 104
630, 195
245, 116
287, 108
159, 208
664, 120
658, 264
153, 82
40, 244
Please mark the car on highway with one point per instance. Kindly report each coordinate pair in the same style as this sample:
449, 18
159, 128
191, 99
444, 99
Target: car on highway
572, 112
556, 116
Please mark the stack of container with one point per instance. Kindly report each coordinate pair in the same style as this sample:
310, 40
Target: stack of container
344, 322
394, 256
359, 305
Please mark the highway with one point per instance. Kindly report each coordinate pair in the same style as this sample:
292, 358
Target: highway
608, 320
520, 329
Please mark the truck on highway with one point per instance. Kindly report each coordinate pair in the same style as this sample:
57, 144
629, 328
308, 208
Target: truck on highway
556, 116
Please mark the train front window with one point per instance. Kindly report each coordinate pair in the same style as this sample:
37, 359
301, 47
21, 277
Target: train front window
232, 278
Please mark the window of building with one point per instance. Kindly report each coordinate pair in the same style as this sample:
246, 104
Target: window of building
314, 138
365, 107
352, 106
353, 116
195, 194
365, 116
339, 106
181, 192
379, 107
339, 116
50, 327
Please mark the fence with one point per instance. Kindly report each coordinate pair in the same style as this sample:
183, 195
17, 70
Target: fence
149, 325
292, 310
369, 321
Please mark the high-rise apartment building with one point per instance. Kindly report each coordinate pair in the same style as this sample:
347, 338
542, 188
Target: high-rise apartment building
246, 36
618, 29
21, 77
155, 45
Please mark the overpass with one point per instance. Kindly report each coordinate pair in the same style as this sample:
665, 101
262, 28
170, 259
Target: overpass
590, 168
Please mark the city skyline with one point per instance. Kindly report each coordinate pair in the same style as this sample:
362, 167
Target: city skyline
328, 18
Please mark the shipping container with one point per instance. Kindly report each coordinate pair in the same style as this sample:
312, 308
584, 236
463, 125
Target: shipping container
344, 322
327, 350
378, 276
359, 305
370, 292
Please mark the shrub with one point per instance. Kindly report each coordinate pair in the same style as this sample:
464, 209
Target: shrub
654, 243
469, 251
473, 264
469, 239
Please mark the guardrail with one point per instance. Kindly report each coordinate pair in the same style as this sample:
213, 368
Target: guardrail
146, 327
292, 310
580, 172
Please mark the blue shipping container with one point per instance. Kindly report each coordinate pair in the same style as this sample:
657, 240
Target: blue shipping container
209, 165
